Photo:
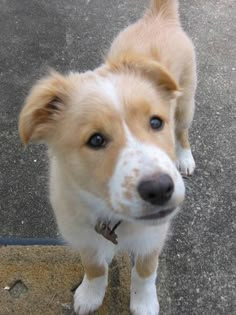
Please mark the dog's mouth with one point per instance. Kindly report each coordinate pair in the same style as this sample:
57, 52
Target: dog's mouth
156, 215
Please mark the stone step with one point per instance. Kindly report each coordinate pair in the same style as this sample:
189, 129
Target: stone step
40, 280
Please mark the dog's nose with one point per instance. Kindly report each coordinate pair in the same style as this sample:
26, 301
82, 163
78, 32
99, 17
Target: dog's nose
156, 191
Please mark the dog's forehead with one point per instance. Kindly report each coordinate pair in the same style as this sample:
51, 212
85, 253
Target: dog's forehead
124, 93
109, 88
131, 94
122, 97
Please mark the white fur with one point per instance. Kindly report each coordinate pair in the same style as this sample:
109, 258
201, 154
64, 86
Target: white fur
109, 89
77, 210
137, 161
185, 161
89, 295
143, 300
78, 230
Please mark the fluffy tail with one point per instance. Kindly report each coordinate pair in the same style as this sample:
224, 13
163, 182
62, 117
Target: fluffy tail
166, 8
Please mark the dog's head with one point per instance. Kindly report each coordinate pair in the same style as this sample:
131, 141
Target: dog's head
112, 131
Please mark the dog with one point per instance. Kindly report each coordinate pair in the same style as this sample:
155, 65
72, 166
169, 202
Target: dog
118, 143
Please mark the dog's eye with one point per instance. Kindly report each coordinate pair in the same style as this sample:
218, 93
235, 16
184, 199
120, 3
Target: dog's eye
156, 123
97, 141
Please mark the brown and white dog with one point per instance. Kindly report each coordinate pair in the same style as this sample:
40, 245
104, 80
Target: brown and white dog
117, 137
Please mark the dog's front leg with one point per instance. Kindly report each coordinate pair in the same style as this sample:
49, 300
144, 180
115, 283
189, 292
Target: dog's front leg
89, 295
143, 285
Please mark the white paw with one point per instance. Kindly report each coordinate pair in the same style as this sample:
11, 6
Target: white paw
185, 161
89, 295
143, 299
147, 307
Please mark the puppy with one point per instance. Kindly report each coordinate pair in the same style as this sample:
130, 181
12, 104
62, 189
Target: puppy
118, 141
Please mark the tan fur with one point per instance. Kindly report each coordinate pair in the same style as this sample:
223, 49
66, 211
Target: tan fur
140, 105
182, 137
152, 64
145, 67
168, 9
58, 125
147, 265
40, 113
94, 169
92, 269
162, 41
136, 50
68, 128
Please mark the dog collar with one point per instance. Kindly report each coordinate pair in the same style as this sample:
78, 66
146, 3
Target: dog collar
103, 228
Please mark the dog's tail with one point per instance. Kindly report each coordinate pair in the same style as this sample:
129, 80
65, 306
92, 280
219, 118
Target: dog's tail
168, 9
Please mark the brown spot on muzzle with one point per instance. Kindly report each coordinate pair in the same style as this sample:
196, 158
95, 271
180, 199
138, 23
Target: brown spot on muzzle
128, 195
130, 183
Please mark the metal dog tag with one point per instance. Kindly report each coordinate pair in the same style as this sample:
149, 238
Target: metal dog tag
104, 229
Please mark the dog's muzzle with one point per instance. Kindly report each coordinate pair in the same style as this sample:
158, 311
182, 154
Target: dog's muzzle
156, 190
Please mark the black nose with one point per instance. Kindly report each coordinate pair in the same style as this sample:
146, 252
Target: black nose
156, 191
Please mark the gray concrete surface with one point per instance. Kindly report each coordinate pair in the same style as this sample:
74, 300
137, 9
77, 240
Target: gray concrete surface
198, 266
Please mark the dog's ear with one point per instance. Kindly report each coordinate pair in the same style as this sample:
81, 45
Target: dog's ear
151, 69
44, 107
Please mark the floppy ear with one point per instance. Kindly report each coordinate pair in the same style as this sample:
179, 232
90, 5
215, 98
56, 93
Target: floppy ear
151, 69
44, 107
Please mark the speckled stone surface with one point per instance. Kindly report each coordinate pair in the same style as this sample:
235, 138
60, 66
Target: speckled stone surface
40, 281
